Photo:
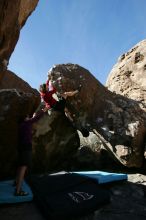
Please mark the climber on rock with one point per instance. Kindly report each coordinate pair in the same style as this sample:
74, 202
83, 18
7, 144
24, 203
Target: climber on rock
49, 84
51, 102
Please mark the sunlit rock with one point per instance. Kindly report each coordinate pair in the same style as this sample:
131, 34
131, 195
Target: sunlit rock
13, 15
128, 76
119, 122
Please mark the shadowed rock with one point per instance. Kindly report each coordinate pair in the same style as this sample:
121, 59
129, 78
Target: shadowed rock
14, 107
14, 103
55, 142
117, 121
11, 81
17, 99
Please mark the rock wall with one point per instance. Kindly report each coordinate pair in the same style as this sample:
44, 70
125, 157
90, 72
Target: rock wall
128, 76
17, 98
118, 121
14, 107
55, 142
11, 81
13, 15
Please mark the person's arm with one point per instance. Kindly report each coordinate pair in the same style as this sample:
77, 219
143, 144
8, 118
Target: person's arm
47, 106
47, 84
69, 94
53, 90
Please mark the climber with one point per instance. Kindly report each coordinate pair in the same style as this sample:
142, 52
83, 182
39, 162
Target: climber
49, 84
24, 151
50, 102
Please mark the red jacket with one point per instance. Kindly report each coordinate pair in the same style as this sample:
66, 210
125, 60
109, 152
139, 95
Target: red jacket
48, 99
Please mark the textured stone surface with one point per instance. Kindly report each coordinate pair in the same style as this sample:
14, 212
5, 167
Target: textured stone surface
128, 76
13, 15
17, 98
14, 106
118, 121
11, 81
55, 141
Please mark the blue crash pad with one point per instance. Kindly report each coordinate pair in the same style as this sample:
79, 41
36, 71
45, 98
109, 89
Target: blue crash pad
7, 193
103, 177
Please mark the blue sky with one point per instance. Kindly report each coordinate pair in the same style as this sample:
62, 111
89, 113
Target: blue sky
91, 33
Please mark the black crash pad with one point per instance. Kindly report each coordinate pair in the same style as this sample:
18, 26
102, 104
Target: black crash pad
67, 195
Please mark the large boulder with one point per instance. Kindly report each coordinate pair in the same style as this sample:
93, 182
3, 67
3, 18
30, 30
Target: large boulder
13, 15
58, 146
11, 81
14, 106
17, 98
128, 76
118, 121
55, 142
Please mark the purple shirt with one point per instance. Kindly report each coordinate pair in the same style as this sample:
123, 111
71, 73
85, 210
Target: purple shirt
25, 131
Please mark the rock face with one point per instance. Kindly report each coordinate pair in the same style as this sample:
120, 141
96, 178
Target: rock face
13, 15
11, 81
128, 76
14, 106
17, 98
55, 142
118, 121
54, 137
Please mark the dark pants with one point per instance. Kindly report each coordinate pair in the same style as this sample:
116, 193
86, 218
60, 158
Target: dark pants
25, 155
60, 105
